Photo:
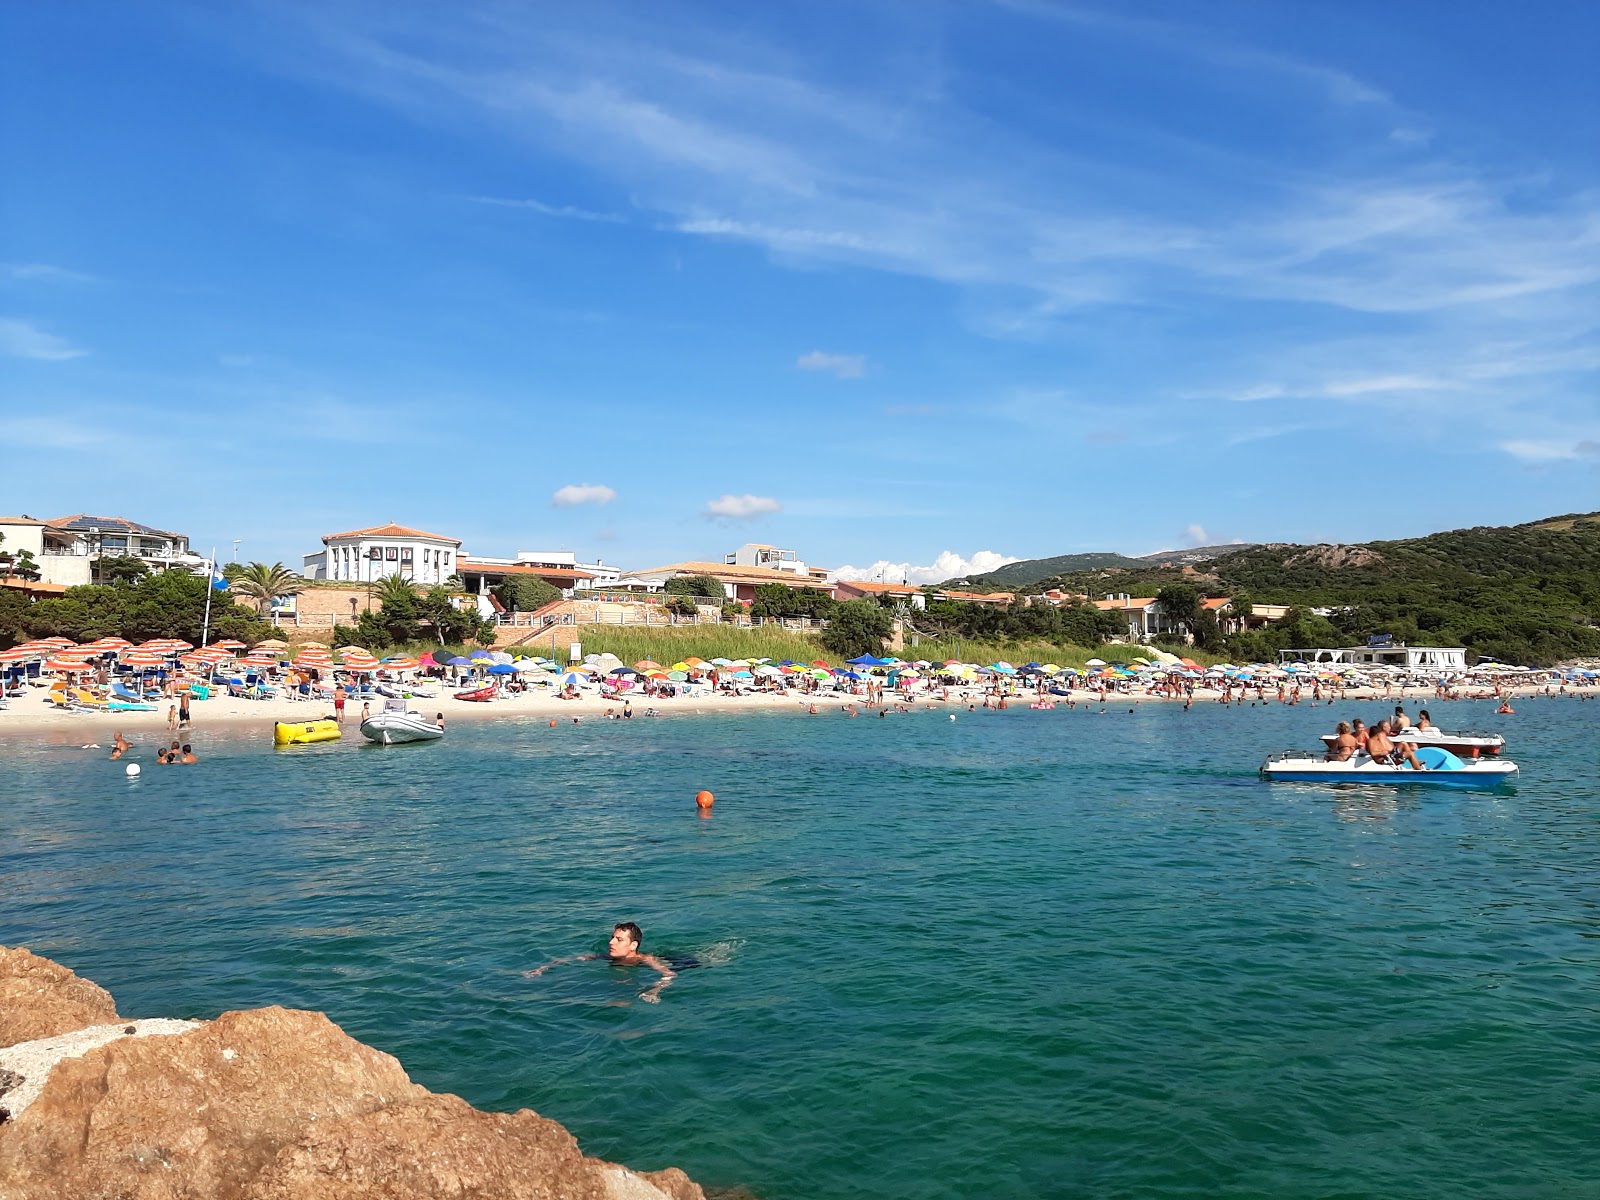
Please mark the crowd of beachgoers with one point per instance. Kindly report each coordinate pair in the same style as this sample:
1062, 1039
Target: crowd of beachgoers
170, 682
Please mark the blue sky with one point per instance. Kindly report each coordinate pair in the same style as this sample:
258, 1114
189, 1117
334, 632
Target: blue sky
875, 281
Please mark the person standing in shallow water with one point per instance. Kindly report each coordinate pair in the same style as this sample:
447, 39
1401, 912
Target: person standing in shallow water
623, 951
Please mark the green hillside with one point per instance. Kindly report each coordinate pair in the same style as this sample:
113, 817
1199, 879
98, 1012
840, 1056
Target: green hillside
1519, 593
1031, 570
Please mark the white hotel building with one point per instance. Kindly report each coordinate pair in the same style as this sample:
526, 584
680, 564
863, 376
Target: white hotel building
365, 555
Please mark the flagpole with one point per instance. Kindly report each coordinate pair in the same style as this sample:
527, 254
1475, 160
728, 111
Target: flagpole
211, 575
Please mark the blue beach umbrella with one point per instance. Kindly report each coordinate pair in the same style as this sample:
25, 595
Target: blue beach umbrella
458, 661
502, 669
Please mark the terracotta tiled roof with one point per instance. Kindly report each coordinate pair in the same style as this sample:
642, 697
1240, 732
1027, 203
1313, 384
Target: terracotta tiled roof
391, 530
883, 589
80, 522
729, 574
1136, 602
991, 597
1215, 603
38, 589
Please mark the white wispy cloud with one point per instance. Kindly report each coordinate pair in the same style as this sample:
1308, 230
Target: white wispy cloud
582, 493
711, 134
44, 272
740, 508
841, 366
1195, 535
24, 340
948, 565
565, 211
1551, 450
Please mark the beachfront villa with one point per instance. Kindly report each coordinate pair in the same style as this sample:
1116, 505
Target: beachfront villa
1147, 619
67, 549
366, 555
884, 593
1384, 653
773, 558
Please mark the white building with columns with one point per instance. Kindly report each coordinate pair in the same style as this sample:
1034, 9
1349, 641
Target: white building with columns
364, 555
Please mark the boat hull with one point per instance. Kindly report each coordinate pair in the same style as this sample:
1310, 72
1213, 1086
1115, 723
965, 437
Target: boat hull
305, 733
482, 695
391, 729
1478, 773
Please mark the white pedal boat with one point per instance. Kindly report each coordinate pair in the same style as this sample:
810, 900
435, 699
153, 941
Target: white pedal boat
1443, 769
393, 726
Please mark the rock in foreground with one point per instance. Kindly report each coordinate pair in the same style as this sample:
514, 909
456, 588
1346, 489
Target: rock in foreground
268, 1104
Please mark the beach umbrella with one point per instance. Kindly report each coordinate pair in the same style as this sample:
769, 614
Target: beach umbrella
500, 656
18, 654
399, 663
271, 644
742, 674
526, 665
622, 671
720, 662
677, 676
646, 664
66, 664
501, 669
354, 650
54, 643
458, 661
142, 658
1096, 662
817, 662
230, 644
573, 679
695, 662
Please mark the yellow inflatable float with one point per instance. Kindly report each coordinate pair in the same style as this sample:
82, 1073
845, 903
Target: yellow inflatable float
301, 733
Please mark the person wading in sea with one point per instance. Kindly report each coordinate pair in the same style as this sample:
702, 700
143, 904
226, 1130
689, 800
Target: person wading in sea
623, 951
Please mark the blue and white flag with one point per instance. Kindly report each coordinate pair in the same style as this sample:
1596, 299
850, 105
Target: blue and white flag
217, 581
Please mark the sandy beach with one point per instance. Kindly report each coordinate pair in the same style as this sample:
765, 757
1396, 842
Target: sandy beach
30, 711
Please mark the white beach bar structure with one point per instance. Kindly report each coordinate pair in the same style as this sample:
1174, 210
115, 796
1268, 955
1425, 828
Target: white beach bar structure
1391, 654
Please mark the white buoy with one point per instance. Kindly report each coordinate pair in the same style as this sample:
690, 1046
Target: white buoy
952, 716
132, 769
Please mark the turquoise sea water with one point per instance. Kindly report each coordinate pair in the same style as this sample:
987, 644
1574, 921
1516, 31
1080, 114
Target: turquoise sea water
1019, 954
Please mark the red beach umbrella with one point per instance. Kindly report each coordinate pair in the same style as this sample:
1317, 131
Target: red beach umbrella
143, 658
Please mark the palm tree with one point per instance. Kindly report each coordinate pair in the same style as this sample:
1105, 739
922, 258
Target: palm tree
261, 583
394, 591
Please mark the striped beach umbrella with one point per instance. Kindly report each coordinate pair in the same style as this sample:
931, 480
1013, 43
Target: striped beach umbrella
271, 644
399, 664
20, 654
64, 665
228, 644
143, 659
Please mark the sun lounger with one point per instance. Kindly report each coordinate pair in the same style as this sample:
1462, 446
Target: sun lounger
121, 692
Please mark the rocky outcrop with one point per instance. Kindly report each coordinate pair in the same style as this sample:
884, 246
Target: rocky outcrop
39, 998
267, 1104
1335, 557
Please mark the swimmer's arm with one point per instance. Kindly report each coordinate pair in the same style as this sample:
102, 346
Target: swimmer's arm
652, 995
556, 962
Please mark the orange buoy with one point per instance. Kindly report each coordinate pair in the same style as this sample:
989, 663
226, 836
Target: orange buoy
552, 723
703, 800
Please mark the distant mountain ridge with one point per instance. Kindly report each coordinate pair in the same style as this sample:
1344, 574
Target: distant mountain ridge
1526, 593
1030, 571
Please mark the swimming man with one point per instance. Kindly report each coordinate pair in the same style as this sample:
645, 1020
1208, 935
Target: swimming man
623, 951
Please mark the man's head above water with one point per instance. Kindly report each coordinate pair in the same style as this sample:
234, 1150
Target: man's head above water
625, 940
